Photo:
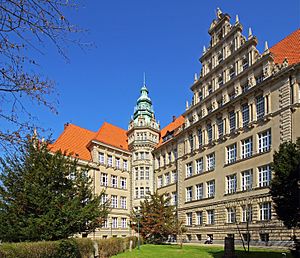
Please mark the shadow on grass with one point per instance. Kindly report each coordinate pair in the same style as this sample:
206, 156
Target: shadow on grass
252, 254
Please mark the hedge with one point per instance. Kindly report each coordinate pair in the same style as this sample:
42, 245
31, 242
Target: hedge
71, 248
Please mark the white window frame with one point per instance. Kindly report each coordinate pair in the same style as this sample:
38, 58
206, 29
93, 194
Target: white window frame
231, 183
114, 181
189, 169
210, 217
265, 211
247, 180
199, 191
189, 194
114, 201
231, 215
210, 185
264, 141
210, 161
199, 216
199, 165
246, 148
264, 175
231, 153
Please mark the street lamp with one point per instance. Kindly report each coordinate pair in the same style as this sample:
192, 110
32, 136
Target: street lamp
138, 217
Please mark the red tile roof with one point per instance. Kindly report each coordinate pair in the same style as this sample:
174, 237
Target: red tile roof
170, 127
74, 140
288, 48
112, 135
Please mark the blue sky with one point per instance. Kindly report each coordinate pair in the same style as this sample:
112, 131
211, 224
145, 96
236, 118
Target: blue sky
164, 39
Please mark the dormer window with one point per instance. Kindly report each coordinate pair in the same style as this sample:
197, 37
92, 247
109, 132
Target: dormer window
245, 62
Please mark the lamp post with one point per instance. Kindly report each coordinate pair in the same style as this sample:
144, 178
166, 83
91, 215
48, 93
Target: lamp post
138, 217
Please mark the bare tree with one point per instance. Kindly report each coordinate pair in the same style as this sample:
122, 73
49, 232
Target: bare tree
26, 26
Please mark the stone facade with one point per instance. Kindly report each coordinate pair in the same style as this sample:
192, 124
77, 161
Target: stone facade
214, 160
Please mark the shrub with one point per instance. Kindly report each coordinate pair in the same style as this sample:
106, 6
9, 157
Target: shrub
113, 246
71, 248
85, 246
68, 248
29, 250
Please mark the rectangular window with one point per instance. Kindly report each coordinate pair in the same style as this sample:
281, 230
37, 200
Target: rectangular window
245, 114
167, 178
265, 211
189, 194
114, 181
189, 169
210, 217
141, 173
147, 190
170, 157
125, 164
260, 107
174, 176
117, 163
220, 126
200, 137
199, 191
123, 183
136, 192
175, 154
264, 141
104, 198
210, 188
231, 215
142, 192
136, 173
231, 184
109, 160
114, 223
123, 202
210, 161
147, 173
159, 182
123, 222
199, 166
231, 153
246, 213
114, 201
104, 179
247, 148
232, 121
189, 219
105, 224
101, 158
264, 176
247, 180
199, 215
209, 133
191, 142
174, 198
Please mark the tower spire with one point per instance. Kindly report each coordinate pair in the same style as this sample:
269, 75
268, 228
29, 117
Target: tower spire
144, 79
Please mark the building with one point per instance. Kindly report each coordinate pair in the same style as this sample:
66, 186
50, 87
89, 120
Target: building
214, 160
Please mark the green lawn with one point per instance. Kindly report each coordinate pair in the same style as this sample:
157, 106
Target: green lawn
189, 251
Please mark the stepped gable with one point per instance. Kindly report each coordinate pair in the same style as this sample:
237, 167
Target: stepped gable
288, 48
74, 141
112, 135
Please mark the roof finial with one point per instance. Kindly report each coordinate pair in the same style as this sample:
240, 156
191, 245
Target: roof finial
237, 19
219, 12
250, 33
266, 47
144, 84
195, 77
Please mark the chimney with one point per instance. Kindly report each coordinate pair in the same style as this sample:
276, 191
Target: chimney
173, 118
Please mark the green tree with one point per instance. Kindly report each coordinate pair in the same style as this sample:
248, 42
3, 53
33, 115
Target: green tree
46, 196
156, 219
285, 187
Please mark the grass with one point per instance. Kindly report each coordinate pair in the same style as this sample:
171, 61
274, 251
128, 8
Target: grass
189, 251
